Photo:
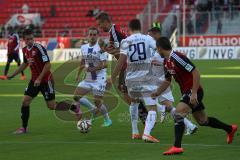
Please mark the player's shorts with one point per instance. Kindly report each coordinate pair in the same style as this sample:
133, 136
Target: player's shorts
13, 56
166, 95
96, 87
46, 88
186, 99
148, 101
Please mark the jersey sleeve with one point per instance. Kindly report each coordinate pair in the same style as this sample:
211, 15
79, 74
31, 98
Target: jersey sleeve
124, 47
183, 62
42, 52
24, 58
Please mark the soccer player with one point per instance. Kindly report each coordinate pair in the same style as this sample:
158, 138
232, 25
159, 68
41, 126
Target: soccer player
166, 98
135, 49
13, 54
95, 63
35, 56
188, 77
116, 36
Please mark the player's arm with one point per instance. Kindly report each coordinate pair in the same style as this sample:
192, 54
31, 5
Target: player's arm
42, 53
196, 84
45, 70
122, 59
164, 85
80, 68
21, 68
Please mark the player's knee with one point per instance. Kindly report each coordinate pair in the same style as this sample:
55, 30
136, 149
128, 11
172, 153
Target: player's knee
76, 98
51, 106
98, 104
202, 122
26, 102
178, 118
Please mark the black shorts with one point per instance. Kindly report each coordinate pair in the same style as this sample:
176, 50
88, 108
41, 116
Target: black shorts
13, 56
47, 90
186, 99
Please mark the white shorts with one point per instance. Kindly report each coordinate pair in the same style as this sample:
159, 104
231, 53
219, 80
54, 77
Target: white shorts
96, 87
148, 101
166, 95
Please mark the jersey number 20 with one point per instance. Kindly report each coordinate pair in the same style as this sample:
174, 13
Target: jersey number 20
137, 52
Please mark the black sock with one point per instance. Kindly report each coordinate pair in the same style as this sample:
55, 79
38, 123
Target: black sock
6, 69
142, 112
179, 130
215, 123
25, 116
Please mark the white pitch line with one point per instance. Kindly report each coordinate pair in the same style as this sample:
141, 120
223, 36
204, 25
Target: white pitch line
112, 143
219, 76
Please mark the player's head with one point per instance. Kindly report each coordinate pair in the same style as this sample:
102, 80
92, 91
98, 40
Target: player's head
93, 35
164, 46
134, 25
155, 32
28, 37
104, 21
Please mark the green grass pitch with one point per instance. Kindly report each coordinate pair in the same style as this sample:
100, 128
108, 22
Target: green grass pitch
52, 138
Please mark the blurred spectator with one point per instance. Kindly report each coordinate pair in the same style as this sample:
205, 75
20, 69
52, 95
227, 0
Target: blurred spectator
53, 11
94, 12
1, 31
190, 29
25, 8
219, 26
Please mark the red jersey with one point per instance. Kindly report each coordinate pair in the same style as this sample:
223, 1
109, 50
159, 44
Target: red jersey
36, 57
180, 67
13, 44
116, 36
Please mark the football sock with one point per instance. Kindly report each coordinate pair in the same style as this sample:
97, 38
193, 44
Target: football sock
215, 123
6, 69
133, 109
25, 116
84, 101
178, 129
150, 121
161, 108
142, 112
104, 111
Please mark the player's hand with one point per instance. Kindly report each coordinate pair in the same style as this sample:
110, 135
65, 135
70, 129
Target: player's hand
194, 99
37, 82
109, 83
155, 94
155, 63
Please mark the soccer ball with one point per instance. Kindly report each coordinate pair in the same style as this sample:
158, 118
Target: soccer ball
84, 126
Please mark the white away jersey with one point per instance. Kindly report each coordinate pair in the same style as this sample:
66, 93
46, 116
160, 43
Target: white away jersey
92, 56
137, 48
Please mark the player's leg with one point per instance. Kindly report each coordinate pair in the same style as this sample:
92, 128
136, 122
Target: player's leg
182, 109
98, 90
98, 100
133, 110
78, 94
7, 66
213, 122
151, 120
29, 94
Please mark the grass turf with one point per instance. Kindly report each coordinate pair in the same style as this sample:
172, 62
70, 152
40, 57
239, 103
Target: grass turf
51, 138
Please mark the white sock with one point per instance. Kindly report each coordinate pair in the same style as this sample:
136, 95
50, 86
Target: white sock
104, 112
173, 111
150, 121
133, 109
188, 123
161, 108
84, 101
